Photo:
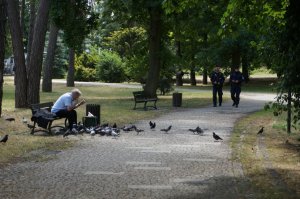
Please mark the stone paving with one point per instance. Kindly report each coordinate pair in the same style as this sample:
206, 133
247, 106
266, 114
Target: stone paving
145, 166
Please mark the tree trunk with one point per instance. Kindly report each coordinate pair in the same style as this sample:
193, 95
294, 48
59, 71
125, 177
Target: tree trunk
71, 71
37, 49
30, 31
245, 68
154, 50
235, 59
193, 77
179, 81
289, 111
204, 79
18, 49
22, 16
2, 47
47, 70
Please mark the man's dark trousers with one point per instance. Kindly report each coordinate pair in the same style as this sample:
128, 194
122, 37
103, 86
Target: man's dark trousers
217, 90
70, 115
235, 94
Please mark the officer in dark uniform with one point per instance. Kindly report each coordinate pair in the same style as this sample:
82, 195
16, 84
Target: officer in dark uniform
236, 79
217, 79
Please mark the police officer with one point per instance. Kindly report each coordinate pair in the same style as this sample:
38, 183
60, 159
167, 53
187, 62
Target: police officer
236, 79
217, 80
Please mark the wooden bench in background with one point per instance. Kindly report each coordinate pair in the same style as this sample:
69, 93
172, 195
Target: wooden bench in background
140, 97
46, 106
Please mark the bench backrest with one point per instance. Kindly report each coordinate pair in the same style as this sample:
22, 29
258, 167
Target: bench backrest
46, 105
140, 95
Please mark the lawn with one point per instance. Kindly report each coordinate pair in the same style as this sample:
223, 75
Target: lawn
282, 154
116, 107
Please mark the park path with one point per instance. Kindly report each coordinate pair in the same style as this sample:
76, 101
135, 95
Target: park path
146, 166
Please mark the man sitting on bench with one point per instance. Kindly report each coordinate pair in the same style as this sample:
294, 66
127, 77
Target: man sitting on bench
65, 107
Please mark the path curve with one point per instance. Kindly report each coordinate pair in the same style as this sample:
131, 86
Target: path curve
151, 165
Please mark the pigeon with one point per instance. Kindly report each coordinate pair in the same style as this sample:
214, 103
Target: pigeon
199, 130
114, 134
24, 120
216, 137
93, 132
260, 131
129, 128
30, 126
68, 132
138, 131
114, 126
4, 139
152, 125
167, 130
10, 119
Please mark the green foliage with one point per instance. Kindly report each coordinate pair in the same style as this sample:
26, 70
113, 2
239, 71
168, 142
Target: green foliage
75, 18
131, 45
85, 66
110, 67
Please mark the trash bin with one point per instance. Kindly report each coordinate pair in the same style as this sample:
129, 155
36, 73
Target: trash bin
95, 110
89, 121
177, 99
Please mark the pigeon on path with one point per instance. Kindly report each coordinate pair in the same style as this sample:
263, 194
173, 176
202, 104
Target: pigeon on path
114, 134
260, 131
4, 139
167, 129
197, 130
152, 125
10, 119
138, 130
216, 137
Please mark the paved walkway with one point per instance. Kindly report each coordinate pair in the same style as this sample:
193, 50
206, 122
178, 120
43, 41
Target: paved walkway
151, 165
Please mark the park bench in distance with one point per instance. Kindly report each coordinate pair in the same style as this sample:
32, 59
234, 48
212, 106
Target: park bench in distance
47, 108
140, 97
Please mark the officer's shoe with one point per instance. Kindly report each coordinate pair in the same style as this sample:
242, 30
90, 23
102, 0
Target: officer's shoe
236, 106
215, 105
233, 104
220, 104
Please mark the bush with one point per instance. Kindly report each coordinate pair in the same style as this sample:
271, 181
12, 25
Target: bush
85, 63
110, 67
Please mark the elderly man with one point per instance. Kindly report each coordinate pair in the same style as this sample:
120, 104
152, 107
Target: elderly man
217, 79
65, 107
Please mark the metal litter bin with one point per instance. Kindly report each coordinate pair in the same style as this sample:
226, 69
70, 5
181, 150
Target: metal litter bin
95, 110
177, 99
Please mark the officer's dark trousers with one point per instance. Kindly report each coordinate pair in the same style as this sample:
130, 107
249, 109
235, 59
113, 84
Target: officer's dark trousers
70, 115
217, 90
235, 94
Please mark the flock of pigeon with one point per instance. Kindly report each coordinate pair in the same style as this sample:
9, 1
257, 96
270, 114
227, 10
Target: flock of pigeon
114, 131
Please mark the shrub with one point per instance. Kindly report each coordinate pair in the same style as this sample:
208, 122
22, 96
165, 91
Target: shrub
110, 67
85, 63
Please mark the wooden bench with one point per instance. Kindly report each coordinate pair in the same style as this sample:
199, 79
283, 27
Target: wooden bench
140, 97
46, 106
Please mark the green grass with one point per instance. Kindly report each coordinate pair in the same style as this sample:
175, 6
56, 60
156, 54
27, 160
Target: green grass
283, 155
116, 106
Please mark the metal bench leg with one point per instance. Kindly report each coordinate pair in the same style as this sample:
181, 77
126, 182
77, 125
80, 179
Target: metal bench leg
32, 130
134, 106
145, 105
155, 104
49, 128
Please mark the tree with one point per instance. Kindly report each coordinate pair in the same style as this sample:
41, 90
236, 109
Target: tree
49, 61
37, 49
2, 47
76, 18
18, 49
30, 31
